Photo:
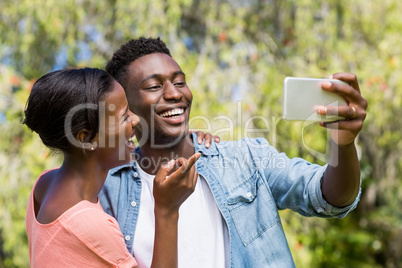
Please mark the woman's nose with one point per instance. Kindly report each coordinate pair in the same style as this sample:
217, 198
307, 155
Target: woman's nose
135, 120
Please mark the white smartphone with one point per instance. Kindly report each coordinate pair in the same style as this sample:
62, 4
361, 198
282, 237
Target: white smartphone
301, 96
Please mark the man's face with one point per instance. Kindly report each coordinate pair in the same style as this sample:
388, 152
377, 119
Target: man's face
157, 92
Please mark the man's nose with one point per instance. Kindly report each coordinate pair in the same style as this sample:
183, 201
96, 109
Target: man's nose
171, 92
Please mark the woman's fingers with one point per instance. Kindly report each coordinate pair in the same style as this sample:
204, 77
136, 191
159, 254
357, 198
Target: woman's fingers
184, 167
208, 137
191, 161
200, 135
163, 171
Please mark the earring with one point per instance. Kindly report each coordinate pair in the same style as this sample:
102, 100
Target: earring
91, 146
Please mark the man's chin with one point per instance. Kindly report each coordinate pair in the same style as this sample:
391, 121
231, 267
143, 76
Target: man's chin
165, 139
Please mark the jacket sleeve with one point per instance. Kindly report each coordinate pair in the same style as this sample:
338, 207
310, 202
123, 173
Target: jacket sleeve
108, 196
296, 183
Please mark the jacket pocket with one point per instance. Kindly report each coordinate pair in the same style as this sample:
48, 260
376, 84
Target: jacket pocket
252, 208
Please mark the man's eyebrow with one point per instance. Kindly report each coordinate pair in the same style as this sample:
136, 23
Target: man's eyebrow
156, 76
178, 73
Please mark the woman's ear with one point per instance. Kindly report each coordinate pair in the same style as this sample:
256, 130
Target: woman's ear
83, 137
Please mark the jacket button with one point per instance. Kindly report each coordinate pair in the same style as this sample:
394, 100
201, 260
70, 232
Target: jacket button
133, 204
127, 238
135, 174
249, 194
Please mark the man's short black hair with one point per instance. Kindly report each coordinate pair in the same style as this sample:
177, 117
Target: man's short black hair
129, 52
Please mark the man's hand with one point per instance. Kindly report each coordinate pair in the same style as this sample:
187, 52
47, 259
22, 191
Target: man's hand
344, 132
341, 181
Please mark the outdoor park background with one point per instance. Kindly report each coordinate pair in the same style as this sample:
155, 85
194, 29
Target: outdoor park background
236, 55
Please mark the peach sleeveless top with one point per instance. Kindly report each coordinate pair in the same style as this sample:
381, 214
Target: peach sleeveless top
83, 236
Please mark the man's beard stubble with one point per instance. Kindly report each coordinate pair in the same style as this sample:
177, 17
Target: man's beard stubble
158, 138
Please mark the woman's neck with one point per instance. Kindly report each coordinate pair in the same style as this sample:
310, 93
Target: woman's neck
85, 174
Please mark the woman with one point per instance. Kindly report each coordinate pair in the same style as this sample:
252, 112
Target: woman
84, 114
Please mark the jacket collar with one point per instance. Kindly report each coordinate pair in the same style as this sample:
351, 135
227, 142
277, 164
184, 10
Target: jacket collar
212, 150
132, 165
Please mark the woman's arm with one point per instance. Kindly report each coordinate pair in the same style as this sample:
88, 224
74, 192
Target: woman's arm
169, 193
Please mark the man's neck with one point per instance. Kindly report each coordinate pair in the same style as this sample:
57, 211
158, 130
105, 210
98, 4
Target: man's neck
150, 157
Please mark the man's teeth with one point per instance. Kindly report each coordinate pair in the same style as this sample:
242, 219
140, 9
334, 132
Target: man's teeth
173, 113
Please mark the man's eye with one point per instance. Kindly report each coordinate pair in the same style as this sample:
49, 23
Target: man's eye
180, 84
154, 87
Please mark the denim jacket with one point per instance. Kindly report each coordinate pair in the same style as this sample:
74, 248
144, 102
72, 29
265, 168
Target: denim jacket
250, 181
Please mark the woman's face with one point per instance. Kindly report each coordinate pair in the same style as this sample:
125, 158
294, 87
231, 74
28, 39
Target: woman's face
115, 143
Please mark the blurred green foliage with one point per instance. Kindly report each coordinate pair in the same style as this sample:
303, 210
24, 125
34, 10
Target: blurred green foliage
236, 55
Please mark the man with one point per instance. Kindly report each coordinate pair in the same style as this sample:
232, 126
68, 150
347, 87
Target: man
231, 219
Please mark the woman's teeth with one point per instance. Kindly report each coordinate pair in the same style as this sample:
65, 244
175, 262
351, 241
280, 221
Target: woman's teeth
173, 113
130, 141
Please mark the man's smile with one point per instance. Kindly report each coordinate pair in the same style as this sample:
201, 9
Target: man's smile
172, 115
177, 112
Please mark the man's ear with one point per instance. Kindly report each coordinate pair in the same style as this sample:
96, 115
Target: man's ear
83, 137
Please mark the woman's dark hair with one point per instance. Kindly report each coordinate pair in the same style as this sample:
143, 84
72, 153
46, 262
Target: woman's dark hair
72, 94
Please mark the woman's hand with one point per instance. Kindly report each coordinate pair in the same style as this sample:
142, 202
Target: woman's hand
170, 192
207, 136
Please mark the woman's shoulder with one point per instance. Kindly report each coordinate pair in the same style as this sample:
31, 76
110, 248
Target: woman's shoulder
88, 217
42, 184
49, 200
99, 232
53, 197
40, 192
88, 222
87, 229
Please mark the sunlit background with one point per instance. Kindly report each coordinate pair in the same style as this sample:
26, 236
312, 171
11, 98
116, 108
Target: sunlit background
235, 55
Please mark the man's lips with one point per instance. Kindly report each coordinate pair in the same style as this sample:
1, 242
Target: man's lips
173, 115
176, 112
